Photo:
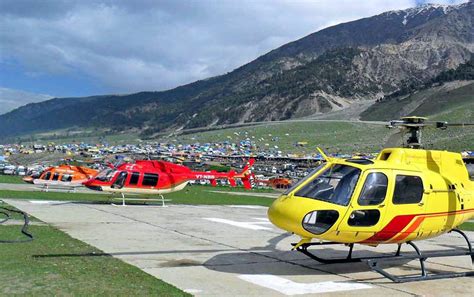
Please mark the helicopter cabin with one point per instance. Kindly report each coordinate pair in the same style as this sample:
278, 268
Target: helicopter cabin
66, 173
424, 182
404, 194
130, 176
57, 176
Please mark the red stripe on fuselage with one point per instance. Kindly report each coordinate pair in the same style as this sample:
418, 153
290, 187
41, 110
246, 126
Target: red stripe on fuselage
411, 229
396, 225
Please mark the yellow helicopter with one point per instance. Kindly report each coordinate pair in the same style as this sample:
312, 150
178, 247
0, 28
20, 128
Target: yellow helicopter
405, 194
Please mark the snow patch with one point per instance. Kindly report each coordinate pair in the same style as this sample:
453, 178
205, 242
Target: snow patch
412, 12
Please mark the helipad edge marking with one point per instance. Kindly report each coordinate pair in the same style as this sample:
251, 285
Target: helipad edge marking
247, 206
246, 225
47, 202
289, 287
262, 219
192, 291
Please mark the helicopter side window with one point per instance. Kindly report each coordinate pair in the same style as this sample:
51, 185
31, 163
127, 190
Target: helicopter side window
105, 175
335, 185
134, 178
150, 179
364, 218
408, 189
375, 189
120, 181
47, 175
66, 178
55, 176
470, 168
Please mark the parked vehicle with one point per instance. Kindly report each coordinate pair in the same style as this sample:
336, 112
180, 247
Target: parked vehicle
9, 170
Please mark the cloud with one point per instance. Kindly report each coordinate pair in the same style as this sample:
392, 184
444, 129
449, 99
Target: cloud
11, 99
130, 46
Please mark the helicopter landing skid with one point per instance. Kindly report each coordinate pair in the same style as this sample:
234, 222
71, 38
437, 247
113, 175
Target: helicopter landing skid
375, 263
162, 200
349, 259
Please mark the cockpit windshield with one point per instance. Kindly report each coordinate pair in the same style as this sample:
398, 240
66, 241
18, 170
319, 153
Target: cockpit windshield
301, 181
106, 175
335, 185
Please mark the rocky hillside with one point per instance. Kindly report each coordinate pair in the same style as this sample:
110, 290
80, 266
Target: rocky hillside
448, 96
326, 70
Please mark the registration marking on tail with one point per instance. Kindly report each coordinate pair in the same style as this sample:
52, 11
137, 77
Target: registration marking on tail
288, 287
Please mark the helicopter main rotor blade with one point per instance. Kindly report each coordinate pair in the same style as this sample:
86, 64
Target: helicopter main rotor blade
460, 124
444, 125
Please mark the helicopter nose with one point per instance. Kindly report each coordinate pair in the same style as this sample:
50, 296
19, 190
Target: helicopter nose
289, 213
90, 185
28, 179
282, 215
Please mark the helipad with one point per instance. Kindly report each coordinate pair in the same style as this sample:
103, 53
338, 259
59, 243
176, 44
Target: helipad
234, 251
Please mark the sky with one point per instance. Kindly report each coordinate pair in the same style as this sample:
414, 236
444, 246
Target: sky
62, 48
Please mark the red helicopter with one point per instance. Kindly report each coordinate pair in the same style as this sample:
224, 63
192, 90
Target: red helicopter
159, 177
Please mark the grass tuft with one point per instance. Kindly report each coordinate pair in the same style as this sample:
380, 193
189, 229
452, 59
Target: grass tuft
56, 264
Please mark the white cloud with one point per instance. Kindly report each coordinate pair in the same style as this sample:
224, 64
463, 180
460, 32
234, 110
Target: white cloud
11, 99
151, 45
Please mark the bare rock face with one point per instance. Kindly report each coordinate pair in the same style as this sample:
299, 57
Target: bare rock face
324, 71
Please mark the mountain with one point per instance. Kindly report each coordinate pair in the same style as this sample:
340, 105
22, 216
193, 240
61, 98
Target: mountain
327, 70
448, 96
11, 99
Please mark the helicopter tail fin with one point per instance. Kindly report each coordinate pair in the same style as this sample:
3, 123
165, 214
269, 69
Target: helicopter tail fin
246, 182
246, 170
245, 174
247, 167
232, 182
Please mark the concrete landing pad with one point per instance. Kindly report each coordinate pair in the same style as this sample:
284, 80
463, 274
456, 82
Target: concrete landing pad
235, 251
35, 188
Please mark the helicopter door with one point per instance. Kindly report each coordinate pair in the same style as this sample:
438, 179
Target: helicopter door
120, 181
368, 206
405, 206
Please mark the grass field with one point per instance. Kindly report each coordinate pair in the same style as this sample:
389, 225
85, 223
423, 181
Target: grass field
334, 136
468, 226
54, 264
11, 179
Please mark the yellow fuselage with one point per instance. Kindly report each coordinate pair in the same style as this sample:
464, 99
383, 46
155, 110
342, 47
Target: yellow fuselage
446, 200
